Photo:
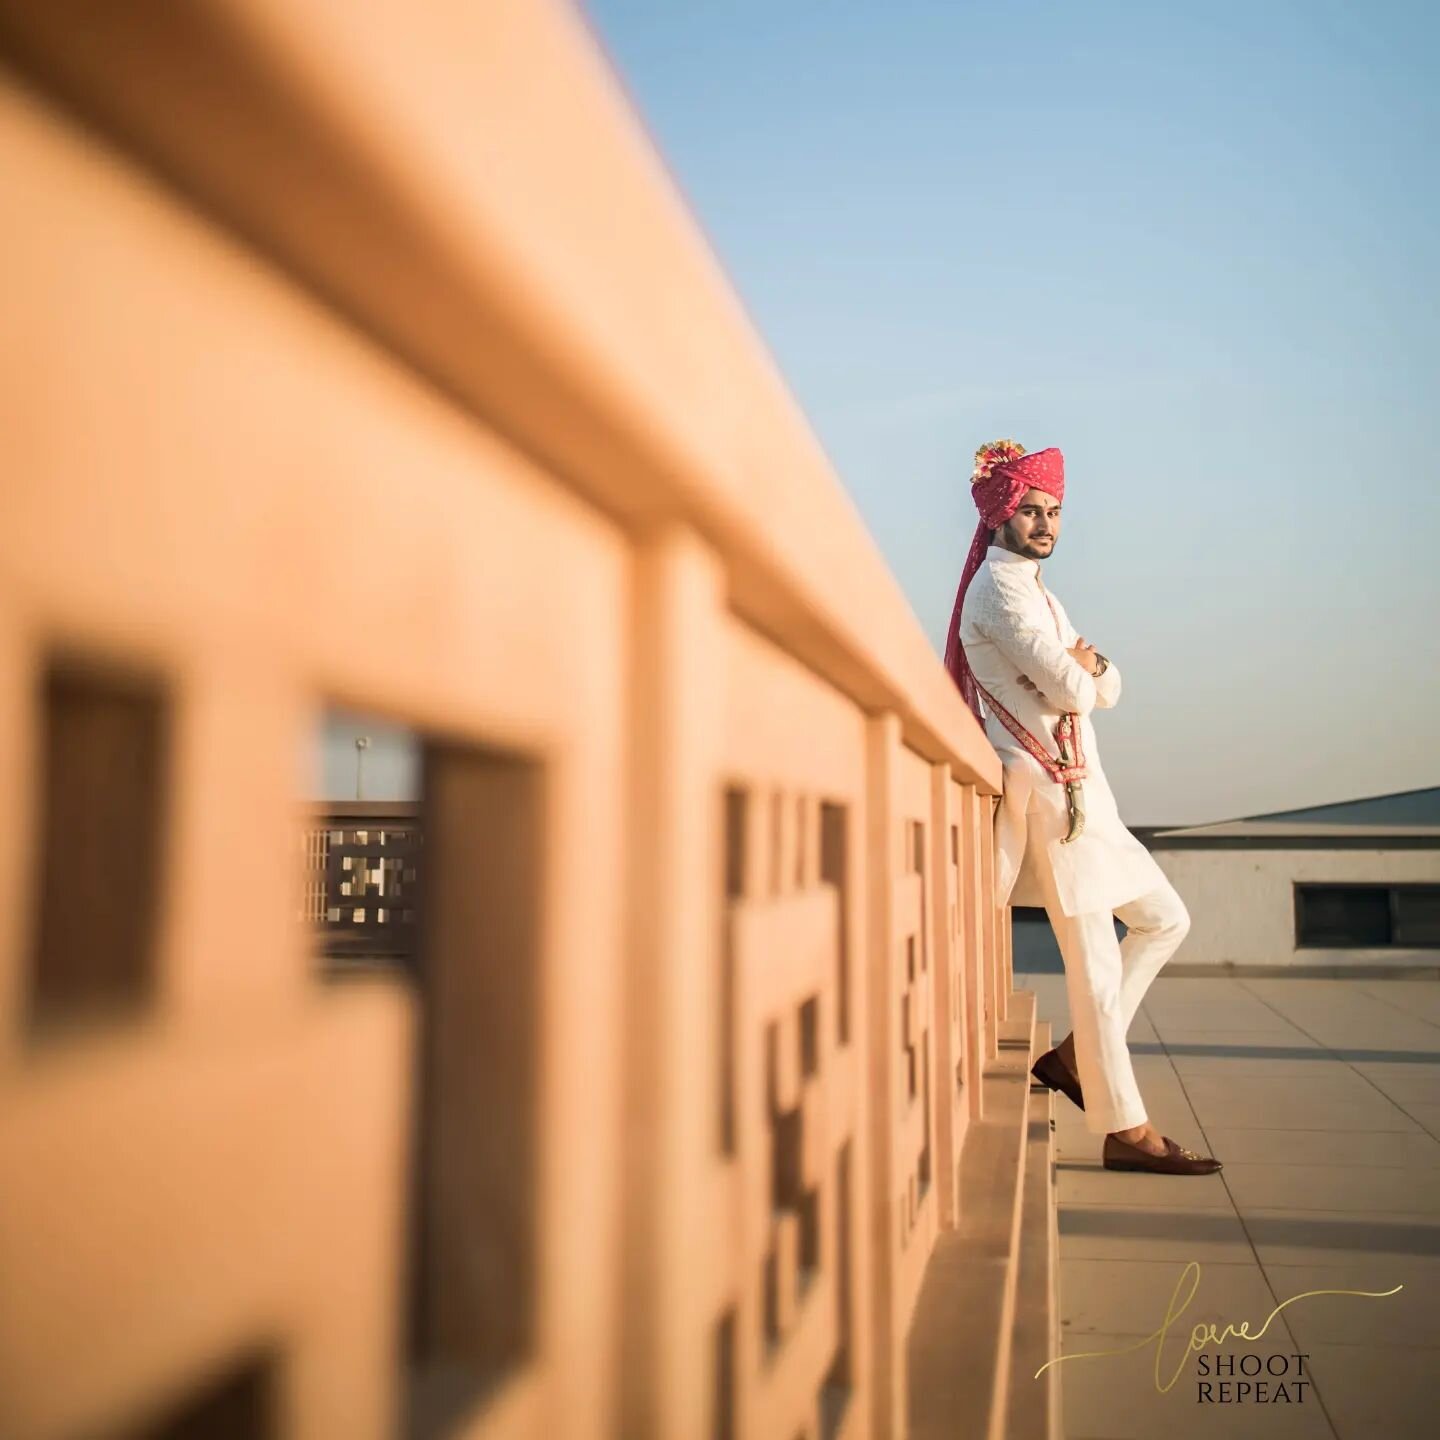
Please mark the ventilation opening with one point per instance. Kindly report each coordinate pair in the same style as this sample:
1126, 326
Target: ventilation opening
723, 1423
102, 808
474, 1247
426, 861
923, 1166
735, 810
242, 1404
834, 871
810, 1036
955, 884
736, 860
839, 1381
917, 864
777, 842
907, 1044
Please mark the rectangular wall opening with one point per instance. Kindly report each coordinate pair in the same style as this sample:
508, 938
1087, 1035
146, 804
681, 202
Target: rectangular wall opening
475, 1241
426, 865
834, 871
917, 864
723, 1405
922, 1167
839, 1381
1367, 916
736, 810
242, 1403
103, 802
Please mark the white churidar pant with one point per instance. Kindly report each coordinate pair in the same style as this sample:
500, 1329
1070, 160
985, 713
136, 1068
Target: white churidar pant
1105, 981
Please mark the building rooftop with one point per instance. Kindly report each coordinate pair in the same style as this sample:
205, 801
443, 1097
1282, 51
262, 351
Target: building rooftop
1286, 834
1323, 1100
1403, 807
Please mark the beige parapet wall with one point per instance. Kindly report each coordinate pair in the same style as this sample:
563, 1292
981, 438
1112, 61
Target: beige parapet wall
364, 356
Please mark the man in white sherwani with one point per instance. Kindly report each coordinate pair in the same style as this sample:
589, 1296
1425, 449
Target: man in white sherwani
1033, 681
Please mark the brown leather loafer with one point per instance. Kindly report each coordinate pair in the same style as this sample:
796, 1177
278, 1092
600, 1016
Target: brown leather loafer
1177, 1160
1053, 1073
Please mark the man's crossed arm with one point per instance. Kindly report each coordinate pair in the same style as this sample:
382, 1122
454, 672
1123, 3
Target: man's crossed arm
1064, 674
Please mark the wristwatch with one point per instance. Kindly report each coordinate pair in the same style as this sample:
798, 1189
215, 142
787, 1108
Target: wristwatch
1104, 666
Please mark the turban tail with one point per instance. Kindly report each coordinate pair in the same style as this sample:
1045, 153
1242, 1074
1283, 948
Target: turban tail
997, 496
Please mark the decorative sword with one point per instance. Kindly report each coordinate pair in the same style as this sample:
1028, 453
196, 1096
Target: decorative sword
1074, 791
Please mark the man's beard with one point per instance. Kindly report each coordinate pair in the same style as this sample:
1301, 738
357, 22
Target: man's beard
1032, 550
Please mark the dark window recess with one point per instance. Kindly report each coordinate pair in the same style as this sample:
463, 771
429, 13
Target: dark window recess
1417, 915
475, 1200
1363, 916
102, 802
1342, 915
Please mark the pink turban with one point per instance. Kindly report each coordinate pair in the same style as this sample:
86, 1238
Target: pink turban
1003, 473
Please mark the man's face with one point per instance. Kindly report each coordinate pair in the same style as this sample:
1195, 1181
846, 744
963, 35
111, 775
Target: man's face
1034, 528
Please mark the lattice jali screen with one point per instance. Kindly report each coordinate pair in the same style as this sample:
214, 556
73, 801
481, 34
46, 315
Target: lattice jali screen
234, 1165
792, 1057
795, 1104
903, 875
989, 957
954, 893
968, 912
950, 1010
913, 983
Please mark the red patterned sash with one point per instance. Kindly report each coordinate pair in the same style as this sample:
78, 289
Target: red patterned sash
1067, 729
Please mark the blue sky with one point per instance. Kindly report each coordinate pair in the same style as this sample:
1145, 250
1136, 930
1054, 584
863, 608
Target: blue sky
1194, 246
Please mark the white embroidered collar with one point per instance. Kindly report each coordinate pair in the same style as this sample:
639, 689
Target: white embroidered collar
999, 552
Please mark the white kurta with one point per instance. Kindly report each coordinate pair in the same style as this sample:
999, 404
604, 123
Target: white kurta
1008, 631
